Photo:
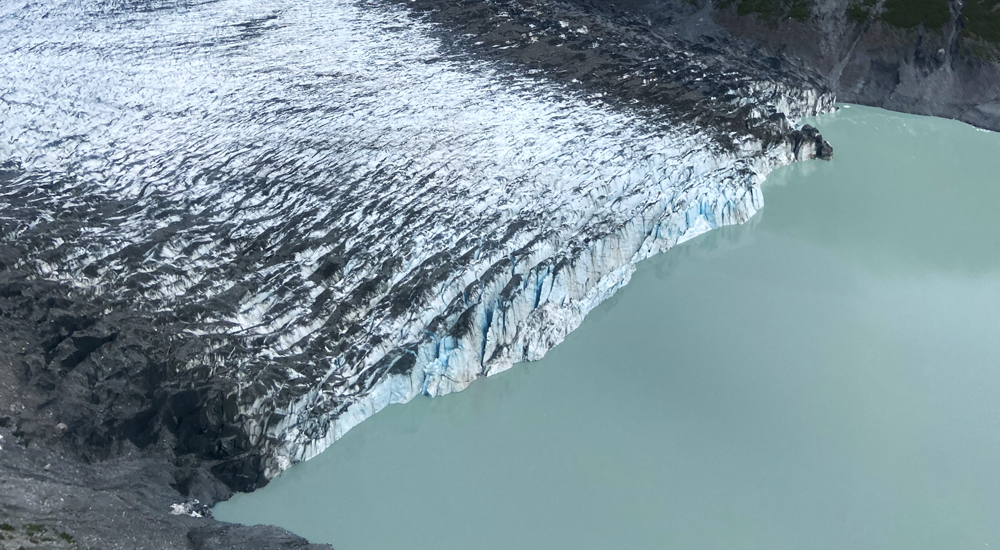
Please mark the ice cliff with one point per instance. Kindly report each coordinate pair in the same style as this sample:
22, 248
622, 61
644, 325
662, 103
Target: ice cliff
331, 207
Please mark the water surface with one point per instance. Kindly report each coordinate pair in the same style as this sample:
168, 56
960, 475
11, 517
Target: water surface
825, 376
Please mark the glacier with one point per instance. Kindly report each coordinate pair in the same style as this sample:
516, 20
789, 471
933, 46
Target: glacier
336, 207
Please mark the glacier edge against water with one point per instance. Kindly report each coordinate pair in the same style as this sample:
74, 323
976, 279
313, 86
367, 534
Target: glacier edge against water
521, 316
394, 213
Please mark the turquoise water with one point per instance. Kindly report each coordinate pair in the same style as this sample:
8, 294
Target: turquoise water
825, 376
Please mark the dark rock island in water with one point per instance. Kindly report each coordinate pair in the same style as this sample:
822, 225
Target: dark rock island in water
229, 233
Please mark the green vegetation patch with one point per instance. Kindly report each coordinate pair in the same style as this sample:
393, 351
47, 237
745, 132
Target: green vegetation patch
859, 12
36, 533
908, 14
768, 8
982, 19
799, 11
774, 10
983, 50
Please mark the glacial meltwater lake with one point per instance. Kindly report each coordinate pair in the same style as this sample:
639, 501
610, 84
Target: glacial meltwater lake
826, 376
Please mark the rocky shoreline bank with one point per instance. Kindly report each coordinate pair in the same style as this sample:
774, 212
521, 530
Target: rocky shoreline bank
74, 474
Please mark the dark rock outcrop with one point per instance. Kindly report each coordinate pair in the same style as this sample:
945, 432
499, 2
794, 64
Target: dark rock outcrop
924, 57
927, 57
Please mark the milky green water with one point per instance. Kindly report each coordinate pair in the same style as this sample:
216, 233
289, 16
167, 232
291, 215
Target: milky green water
826, 376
